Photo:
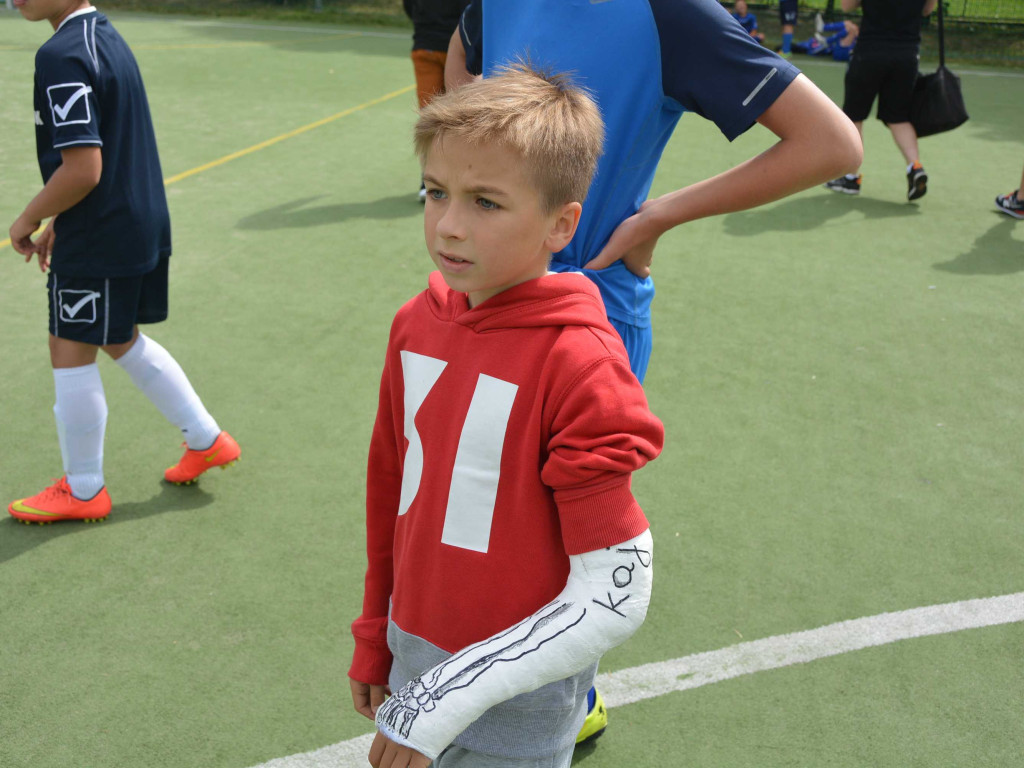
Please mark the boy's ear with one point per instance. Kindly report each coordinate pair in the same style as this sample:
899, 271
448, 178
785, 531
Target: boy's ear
564, 221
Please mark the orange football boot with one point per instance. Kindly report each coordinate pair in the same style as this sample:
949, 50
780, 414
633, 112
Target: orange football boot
223, 453
57, 503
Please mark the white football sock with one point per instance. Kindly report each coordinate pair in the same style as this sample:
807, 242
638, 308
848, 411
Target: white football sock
81, 413
161, 379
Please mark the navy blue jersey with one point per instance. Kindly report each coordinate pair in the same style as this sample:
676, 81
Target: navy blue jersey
88, 92
646, 62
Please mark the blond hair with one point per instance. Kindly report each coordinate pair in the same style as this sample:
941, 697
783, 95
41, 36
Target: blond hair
552, 124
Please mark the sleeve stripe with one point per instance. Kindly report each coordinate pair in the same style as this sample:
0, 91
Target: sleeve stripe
95, 142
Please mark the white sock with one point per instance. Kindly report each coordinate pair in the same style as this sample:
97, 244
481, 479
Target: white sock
910, 167
853, 176
161, 379
81, 413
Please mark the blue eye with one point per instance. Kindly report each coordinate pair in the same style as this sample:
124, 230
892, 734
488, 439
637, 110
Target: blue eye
487, 205
436, 194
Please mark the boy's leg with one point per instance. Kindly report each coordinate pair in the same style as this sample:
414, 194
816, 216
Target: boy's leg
77, 322
787, 17
80, 411
159, 377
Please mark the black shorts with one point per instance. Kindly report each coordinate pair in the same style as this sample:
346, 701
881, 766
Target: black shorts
890, 75
105, 310
788, 11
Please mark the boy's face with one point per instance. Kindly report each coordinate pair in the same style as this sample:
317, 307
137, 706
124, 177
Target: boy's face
484, 224
54, 11
741, 7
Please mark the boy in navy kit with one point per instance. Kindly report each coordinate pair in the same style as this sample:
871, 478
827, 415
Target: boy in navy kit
647, 62
506, 551
107, 246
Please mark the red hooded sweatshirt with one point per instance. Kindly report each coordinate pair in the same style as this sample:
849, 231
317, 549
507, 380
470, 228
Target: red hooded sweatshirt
505, 438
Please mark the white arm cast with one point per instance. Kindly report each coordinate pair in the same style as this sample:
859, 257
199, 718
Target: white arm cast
604, 602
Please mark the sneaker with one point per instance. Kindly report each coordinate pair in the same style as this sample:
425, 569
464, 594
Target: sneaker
917, 182
845, 185
223, 453
597, 718
1011, 205
423, 192
57, 503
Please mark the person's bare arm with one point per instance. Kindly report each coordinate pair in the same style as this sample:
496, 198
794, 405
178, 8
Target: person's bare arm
455, 72
851, 5
929, 6
817, 142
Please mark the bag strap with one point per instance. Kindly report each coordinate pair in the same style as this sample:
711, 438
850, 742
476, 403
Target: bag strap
942, 37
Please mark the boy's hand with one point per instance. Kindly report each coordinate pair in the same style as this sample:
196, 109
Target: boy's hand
632, 242
44, 244
384, 753
21, 239
368, 698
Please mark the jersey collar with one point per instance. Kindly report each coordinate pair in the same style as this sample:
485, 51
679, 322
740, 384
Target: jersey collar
90, 9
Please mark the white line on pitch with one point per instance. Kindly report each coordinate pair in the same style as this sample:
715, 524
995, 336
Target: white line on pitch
650, 680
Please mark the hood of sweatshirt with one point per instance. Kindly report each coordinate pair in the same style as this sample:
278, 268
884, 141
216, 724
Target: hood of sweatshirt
556, 299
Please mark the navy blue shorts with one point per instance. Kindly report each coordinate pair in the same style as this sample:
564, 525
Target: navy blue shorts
788, 11
105, 310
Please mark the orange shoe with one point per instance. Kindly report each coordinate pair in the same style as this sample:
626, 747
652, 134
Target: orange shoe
56, 503
223, 453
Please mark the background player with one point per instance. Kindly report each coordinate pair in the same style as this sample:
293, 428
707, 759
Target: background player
747, 20
885, 65
506, 551
788, 13
108, 244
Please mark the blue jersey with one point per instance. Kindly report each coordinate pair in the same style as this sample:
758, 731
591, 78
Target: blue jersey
88, 92
748, 22
646, 62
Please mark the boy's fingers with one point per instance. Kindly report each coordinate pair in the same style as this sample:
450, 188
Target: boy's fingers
377, 696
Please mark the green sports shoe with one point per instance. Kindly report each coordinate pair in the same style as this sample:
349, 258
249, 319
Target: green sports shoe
597, 718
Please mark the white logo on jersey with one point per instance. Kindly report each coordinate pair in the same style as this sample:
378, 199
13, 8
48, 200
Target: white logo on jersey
69, 104
39, 118
77, 306
474, 483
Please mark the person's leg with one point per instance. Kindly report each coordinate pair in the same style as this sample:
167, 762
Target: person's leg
156, 374
787, 18
78, 321
1012, 203
80, 411
906, 139
457, 757
161, 379
428, 66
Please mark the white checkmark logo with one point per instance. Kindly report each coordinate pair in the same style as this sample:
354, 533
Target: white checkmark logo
68, 103
70, 310
63, 111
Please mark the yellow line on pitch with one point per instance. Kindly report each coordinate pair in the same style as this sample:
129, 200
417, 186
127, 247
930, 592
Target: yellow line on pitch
242, 43
275, 140
283, 136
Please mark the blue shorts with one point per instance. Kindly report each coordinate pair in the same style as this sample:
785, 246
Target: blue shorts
788, 11
105, 310
638, 342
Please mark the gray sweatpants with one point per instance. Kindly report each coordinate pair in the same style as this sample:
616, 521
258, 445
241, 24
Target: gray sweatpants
457, 757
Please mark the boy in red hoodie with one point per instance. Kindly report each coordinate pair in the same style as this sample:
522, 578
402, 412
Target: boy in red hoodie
506, 550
